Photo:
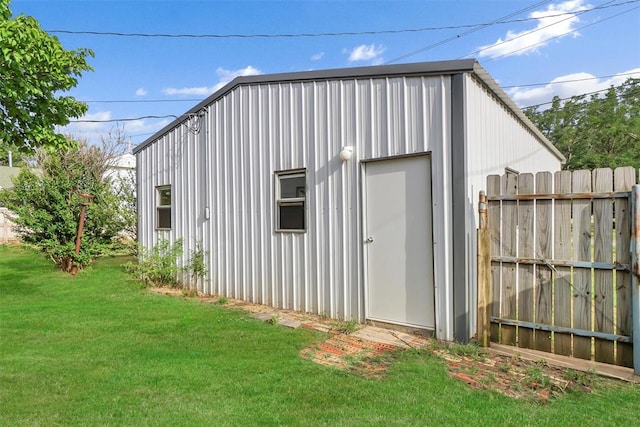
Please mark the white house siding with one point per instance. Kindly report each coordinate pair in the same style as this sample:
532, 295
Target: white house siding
7, 235
496, 139
254, 130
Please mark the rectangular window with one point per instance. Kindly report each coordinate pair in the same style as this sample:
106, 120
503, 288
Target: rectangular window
291, 194
163, 208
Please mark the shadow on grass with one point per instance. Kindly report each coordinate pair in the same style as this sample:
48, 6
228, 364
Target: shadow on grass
16, 272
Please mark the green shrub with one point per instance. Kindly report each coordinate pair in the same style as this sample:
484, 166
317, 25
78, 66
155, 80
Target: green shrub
196, 266
158, 266
47, 205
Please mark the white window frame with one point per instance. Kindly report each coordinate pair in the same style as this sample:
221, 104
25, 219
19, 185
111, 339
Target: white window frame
160, 206
291, 201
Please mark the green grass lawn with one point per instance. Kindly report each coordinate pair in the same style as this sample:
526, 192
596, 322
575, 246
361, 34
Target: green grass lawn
97, 349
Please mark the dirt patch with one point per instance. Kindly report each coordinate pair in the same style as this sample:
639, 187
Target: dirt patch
511, 376
355, 355
514, 377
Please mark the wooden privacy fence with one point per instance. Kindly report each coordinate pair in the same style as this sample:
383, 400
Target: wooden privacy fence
555, 251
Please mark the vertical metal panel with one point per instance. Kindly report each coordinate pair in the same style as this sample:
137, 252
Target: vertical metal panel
460, 280
437, 101
253, 131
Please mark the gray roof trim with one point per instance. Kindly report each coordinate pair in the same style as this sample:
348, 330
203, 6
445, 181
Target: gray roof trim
410, 69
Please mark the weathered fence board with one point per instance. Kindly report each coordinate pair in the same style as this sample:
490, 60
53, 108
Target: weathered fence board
509, 229
543, 248
560, 262
525, 249
603, 252
562, 250
493, 214
624, 179
581, 216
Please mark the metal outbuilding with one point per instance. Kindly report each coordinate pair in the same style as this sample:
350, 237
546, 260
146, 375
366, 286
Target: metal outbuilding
349, 192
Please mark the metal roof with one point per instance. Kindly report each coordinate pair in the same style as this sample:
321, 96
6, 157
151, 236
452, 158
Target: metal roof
409, 69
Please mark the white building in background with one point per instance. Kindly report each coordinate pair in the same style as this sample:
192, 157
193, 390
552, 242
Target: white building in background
7, 235
122, 167
350, 192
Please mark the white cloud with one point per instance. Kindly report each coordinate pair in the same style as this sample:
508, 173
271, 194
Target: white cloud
197, 91
567, 86
141, 92
366, 53
224, 77
317, 57
552, 24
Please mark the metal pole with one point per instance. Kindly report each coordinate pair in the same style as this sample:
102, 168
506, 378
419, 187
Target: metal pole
83, 211
80, 227
635, 276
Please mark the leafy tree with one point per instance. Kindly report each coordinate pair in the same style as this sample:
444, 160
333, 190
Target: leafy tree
47, 205
34, 70
597, 131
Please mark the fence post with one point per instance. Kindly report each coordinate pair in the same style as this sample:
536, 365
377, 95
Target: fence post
635, 276
484, 273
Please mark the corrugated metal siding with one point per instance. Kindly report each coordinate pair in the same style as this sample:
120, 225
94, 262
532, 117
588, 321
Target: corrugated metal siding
255, 130
495, 140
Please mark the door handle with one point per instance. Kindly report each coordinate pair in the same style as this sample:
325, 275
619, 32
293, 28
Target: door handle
369, 240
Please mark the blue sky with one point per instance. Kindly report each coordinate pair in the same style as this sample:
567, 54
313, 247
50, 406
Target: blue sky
594, 43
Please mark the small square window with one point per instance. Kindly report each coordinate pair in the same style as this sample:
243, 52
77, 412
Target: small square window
291, 193
163, 207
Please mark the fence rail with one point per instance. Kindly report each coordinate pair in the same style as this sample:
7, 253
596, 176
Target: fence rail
557, 276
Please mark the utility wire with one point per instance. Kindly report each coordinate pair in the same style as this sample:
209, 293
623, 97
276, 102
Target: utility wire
572, 14
138, 101
527, 33
191, 115
152, 101
466, 33
503, 20
129, 119
572, 96
564, 34
572, 80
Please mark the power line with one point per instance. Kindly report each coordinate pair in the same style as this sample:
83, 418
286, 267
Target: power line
499, 21
572, 96
503, 20
138, 101
563, 34
129, 119
527, 33
530, 106
151, 101
466, 33
571, 80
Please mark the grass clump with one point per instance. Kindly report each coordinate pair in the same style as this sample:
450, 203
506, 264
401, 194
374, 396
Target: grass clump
345, 327
471, 350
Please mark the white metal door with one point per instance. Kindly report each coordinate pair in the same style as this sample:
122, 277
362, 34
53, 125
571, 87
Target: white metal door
399, 241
